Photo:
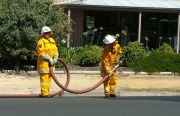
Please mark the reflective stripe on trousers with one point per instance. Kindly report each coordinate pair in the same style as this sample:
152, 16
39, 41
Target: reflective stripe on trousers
43, 71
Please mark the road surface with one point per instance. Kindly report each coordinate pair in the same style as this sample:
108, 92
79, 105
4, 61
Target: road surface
91, 106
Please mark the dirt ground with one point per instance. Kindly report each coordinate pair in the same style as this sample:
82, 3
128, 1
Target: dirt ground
127, 84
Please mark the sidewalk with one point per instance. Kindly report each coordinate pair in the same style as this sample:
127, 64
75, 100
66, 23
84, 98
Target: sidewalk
164, 84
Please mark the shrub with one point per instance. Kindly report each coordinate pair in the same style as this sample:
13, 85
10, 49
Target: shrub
90, 56
176, 62
70, 55
160, 60
132, 52
157, 62
82, 56
165, 48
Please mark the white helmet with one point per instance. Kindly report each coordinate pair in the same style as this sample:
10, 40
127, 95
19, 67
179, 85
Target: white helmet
45, 29
109, 39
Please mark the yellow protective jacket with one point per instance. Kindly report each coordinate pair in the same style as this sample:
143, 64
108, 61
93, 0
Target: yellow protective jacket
45, 46
109, 57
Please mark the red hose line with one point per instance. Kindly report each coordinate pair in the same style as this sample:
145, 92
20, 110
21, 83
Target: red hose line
19, 95
68, 77
76, 91
37, 95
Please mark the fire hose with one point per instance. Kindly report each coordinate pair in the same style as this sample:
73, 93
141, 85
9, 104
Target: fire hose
64, 87
84, 90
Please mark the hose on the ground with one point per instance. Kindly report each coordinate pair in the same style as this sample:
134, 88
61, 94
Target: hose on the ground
76, 91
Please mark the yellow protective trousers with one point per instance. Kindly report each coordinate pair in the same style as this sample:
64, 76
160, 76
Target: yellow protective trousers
45, 82
110, 84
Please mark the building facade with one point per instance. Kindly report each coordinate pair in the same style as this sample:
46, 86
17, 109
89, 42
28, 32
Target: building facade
150, 22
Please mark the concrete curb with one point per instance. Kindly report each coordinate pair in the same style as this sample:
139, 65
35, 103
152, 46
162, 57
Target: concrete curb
98, 72
95, 72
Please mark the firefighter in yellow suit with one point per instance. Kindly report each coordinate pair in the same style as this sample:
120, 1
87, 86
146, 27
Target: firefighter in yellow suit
47, 55
110, 57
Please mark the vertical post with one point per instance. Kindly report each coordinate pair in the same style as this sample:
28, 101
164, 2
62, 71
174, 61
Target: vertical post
68, 36
178, 35
139, 27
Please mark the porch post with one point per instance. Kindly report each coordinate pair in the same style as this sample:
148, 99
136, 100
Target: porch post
139, 27
68, 36
178, 28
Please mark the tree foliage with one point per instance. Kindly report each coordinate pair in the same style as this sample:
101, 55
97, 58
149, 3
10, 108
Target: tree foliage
21, 22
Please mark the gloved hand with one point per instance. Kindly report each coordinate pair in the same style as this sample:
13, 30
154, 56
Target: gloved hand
56, 56
52, 61
46, 57
110, 73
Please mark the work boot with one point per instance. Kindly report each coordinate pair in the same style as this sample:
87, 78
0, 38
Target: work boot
113, 95
107, 96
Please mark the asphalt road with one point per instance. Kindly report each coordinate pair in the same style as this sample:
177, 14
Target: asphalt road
91, 106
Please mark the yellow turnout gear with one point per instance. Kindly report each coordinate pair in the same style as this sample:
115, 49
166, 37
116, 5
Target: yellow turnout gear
109, 60
45, 47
